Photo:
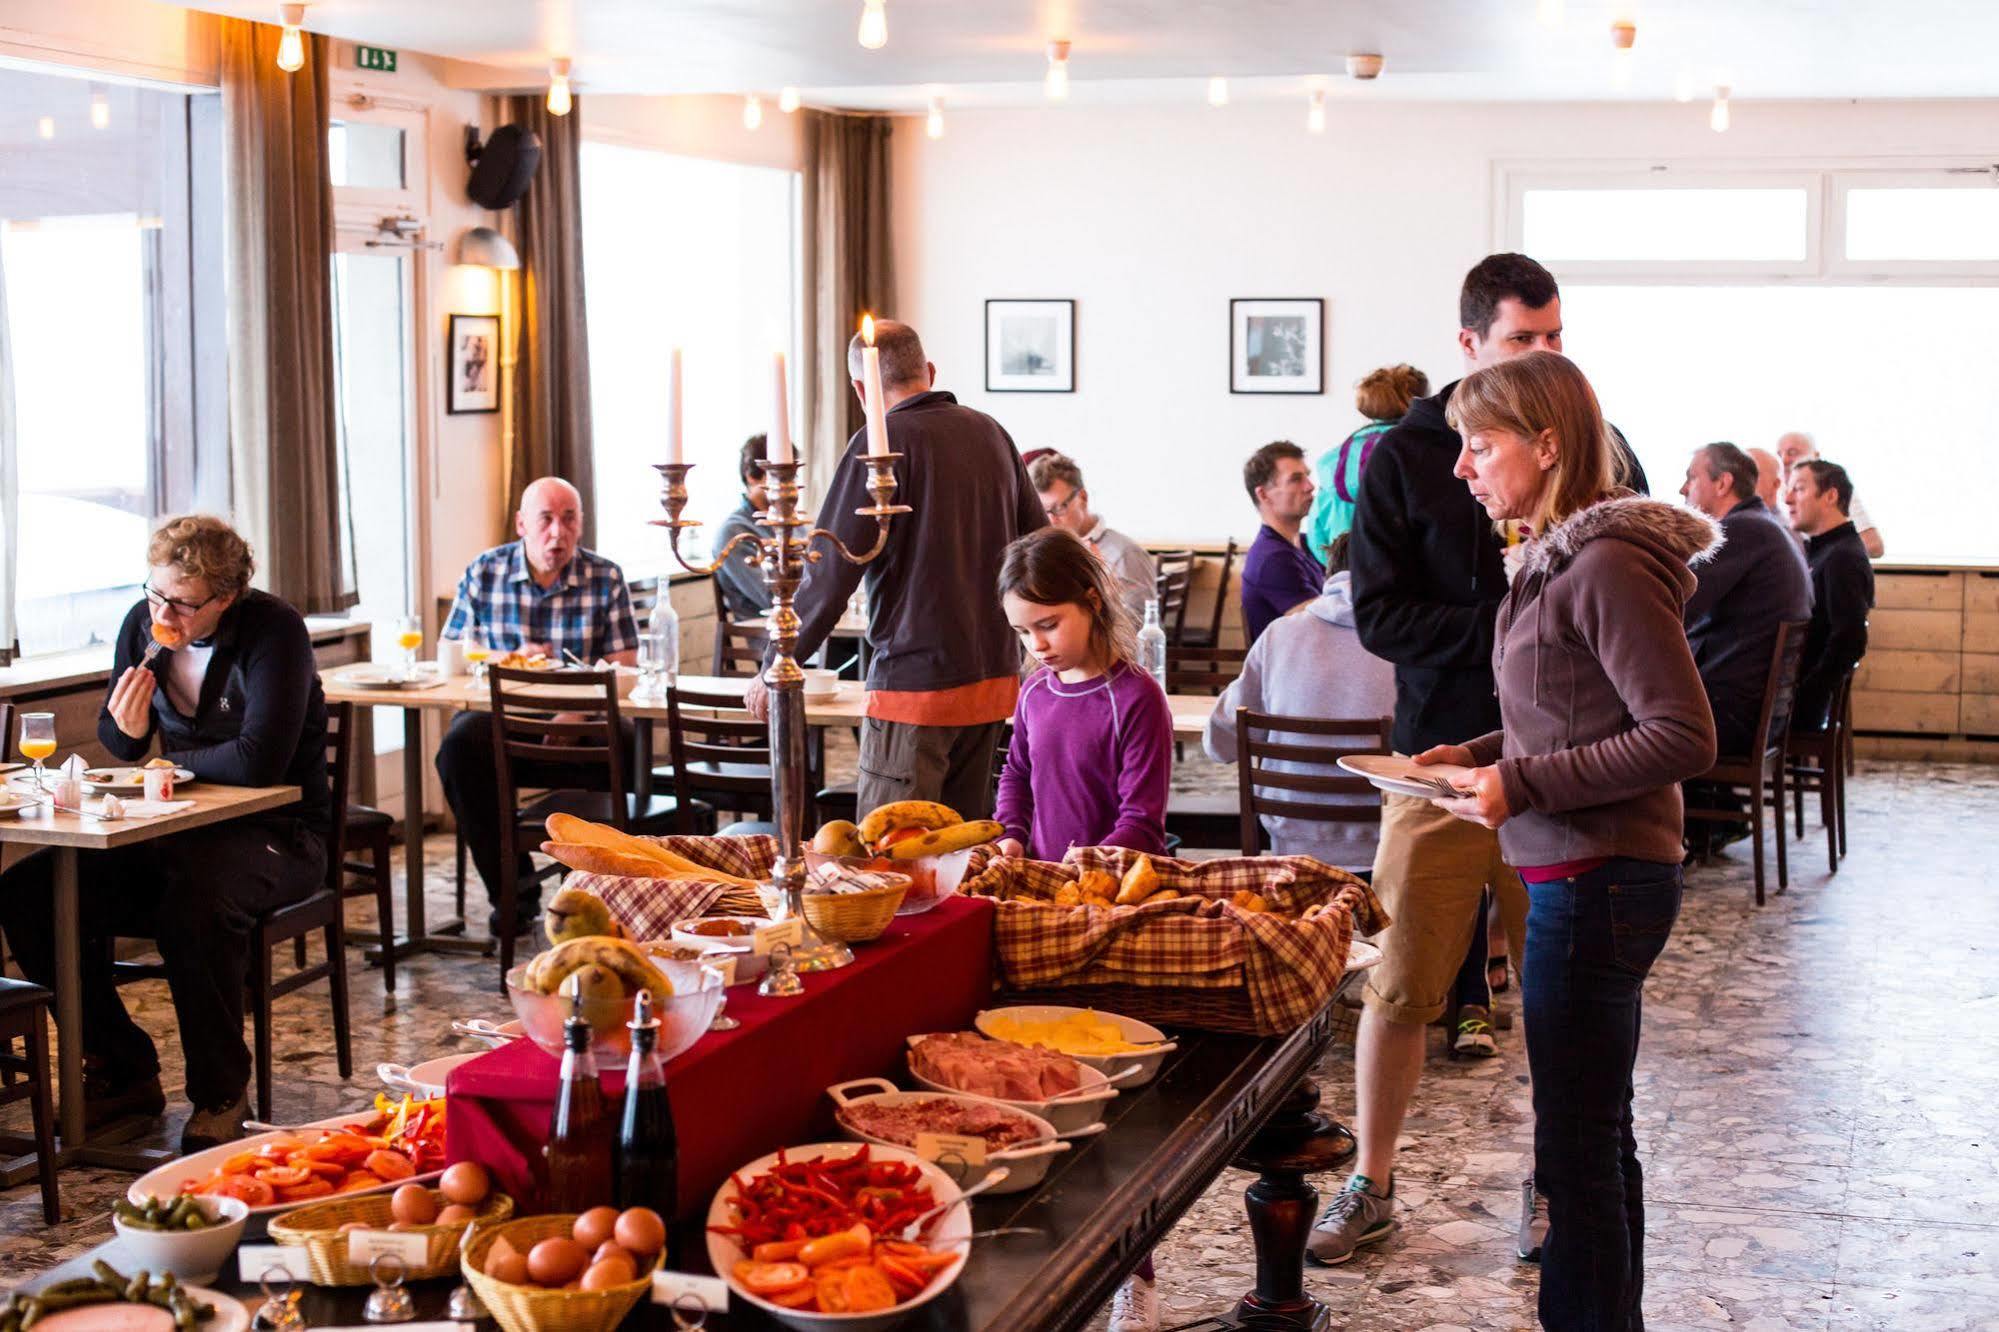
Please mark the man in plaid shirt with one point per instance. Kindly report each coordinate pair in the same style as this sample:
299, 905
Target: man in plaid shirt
543, 593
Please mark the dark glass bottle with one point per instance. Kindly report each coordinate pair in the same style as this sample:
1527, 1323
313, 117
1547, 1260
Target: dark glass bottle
648, 1150
579, 1149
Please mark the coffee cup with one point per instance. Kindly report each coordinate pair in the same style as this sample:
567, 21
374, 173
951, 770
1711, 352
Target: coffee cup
819, 683
451, 656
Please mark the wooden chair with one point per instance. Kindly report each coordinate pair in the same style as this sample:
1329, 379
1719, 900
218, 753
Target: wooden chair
24, 1014
1264, 790
1210, 634
1761, 770
1815, 761
720, 754
1202, 670
739, 648
371, 832
6, 732
571, 721
1174, 574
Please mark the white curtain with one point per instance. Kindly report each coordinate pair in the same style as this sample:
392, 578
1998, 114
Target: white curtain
10, 486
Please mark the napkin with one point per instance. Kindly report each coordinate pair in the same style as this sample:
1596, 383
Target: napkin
153, 809
68, 789
113, 807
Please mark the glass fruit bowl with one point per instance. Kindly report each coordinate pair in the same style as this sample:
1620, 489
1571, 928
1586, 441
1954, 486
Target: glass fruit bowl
683, 1016
931, 878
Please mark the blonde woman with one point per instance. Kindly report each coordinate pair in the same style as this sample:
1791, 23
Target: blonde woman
1602, 716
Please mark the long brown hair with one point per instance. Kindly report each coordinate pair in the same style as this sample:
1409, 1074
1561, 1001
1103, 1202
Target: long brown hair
1052, 567
1527, 395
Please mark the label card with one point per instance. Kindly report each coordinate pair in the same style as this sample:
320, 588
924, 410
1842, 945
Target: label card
364, 1246
724, 963
961, 1146
789, 932
285, 1261
685, 1288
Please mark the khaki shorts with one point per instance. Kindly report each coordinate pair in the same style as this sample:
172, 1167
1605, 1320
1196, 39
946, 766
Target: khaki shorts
1429, 871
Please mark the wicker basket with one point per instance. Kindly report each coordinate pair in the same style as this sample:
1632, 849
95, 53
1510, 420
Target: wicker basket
854, 917
531, 1309
316, 1229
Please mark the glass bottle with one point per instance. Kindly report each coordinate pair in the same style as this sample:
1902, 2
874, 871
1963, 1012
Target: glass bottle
579, 1148
648, 1149
659, 644
1152, 644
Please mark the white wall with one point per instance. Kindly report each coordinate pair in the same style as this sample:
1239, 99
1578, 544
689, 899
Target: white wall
1152, 218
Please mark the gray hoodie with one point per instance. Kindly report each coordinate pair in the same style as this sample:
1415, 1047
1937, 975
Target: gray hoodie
1310, 664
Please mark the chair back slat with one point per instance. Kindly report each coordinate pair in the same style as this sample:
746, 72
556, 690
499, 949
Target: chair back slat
739, 648
709, 732
339, 773
1208, 670
1173, 575
1780, 687
1342, 737
528, 727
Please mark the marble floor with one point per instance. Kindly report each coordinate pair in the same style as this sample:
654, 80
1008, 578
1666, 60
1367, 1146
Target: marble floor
1815, 1103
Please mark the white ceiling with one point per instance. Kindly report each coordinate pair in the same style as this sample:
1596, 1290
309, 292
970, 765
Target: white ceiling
990, 52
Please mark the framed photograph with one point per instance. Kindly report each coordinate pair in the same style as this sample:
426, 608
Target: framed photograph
1277, 346
1030, 346
475, 365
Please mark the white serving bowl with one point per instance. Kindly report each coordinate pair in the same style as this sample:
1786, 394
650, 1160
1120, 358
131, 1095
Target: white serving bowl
749, 966
425, 1079
191, 1255
1131, 1029
1078, 1110
952, 1230
1026, 1166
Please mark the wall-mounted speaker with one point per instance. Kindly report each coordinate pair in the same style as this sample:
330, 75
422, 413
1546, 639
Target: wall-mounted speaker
502, 167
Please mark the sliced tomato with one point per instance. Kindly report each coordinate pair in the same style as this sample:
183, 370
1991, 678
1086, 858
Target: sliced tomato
284, 1177
389, 1164
771, 1278
359, 1179
314, 1187
241, 1164
802, 1297
868, 1291
252, 1191
906, 1280
332, 1170
831, 1288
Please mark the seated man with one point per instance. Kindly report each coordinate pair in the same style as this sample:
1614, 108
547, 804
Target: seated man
236, 701
543, 593
1311, 665
743, 589
1756, 581
1066, 501
1842, 586
1278, 574
1798, 447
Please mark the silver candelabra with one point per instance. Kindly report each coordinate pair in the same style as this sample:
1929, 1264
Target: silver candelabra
783, 556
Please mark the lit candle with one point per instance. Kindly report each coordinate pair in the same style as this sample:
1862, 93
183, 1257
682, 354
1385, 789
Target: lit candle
780, 421
871, 388
673, 410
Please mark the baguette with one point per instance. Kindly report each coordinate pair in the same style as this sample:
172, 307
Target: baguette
602, 860
568, 830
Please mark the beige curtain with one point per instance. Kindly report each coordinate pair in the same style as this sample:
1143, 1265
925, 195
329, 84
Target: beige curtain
848, 269
551, 383
278, 235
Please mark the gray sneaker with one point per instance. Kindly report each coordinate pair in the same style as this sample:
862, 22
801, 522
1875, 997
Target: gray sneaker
1357, 1215
1533, 1223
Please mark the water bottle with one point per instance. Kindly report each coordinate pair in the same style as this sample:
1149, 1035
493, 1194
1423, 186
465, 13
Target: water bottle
659, 647
1152, 644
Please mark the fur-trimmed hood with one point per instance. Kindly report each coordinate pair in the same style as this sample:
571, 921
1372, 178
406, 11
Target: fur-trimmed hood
1676, 534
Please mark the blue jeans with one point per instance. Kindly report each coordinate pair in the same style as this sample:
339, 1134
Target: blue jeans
1590, 941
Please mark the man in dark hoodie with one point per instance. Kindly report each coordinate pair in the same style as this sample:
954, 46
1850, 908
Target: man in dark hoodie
1428, 577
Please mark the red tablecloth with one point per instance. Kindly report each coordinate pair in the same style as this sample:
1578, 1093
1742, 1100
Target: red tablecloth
739, 1094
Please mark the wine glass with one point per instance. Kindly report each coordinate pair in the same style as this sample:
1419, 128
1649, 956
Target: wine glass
409, 637
38, 741
477, 649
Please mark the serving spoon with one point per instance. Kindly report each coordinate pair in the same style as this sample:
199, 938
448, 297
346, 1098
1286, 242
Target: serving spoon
915, 1228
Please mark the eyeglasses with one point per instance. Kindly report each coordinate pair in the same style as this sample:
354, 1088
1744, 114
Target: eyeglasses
1056, 510
163, 601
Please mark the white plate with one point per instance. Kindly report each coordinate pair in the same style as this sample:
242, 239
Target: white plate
1402, 776
952, 1230
426, 675
12, 804
230, 1313
127, 781
165, 1181
1133, 1031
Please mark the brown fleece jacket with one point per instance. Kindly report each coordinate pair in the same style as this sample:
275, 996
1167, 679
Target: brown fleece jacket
1601, 708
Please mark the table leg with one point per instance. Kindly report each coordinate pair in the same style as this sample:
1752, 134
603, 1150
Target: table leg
1282, 1205
69, 1002
419, 937
641, 761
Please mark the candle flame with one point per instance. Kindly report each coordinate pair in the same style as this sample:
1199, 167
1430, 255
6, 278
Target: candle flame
868, 329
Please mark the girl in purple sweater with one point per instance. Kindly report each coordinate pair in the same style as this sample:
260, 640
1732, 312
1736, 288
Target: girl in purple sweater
1092, 737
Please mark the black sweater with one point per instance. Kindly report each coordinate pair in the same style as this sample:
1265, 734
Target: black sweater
1842, 594
261, 720
1428, 578
1756, 581
934, 618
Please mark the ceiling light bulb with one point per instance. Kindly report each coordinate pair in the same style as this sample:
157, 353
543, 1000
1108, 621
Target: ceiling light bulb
560, 99
1549, 12
934, 124
1364, 64
874, 24
1056, 85
1315, 114
1717, 119
787, 100
291, 43
753, 112
46, 127
1218, 91
100, 109
1624, 34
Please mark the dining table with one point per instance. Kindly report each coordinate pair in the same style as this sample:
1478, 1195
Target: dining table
66, 835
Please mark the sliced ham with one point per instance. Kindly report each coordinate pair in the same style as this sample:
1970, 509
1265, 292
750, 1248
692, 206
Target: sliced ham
966, 1061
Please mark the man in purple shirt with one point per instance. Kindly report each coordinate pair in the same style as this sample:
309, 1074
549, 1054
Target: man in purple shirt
1279, 574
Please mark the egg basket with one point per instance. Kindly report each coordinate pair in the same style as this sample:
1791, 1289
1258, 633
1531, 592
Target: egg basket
531, 1309
316, 1229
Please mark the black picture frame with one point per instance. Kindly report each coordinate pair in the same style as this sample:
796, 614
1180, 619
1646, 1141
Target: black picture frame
1059, 313
471, 393
1255, 373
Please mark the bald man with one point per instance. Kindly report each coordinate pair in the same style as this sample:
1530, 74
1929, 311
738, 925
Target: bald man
541, 593
1798, 446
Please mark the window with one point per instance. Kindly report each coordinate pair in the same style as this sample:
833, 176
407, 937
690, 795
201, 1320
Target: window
112, 340
681, 252
1665, 225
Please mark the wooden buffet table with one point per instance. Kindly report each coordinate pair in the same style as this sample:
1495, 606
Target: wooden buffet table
64, 835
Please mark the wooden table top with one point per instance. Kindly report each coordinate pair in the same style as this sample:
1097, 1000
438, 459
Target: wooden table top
212, 804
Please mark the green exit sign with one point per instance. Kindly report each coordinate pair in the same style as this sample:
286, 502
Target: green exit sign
378, 58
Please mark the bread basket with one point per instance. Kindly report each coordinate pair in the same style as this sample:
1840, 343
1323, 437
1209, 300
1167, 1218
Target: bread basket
855, 917
316, 1229
532, 1309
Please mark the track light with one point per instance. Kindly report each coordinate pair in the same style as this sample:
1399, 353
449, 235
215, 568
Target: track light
787, 100
874, 24
753, 112
560, 98
100, 109
933, 125
1218, 91
1056, 84
1315, 113
1364, 65
1717, 119
291, 42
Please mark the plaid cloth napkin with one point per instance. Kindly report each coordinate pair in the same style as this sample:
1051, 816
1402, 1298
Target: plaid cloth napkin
647, 908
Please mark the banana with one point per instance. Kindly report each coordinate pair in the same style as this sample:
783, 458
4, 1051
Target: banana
615, 955
941, 841
594, 982
906, 814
